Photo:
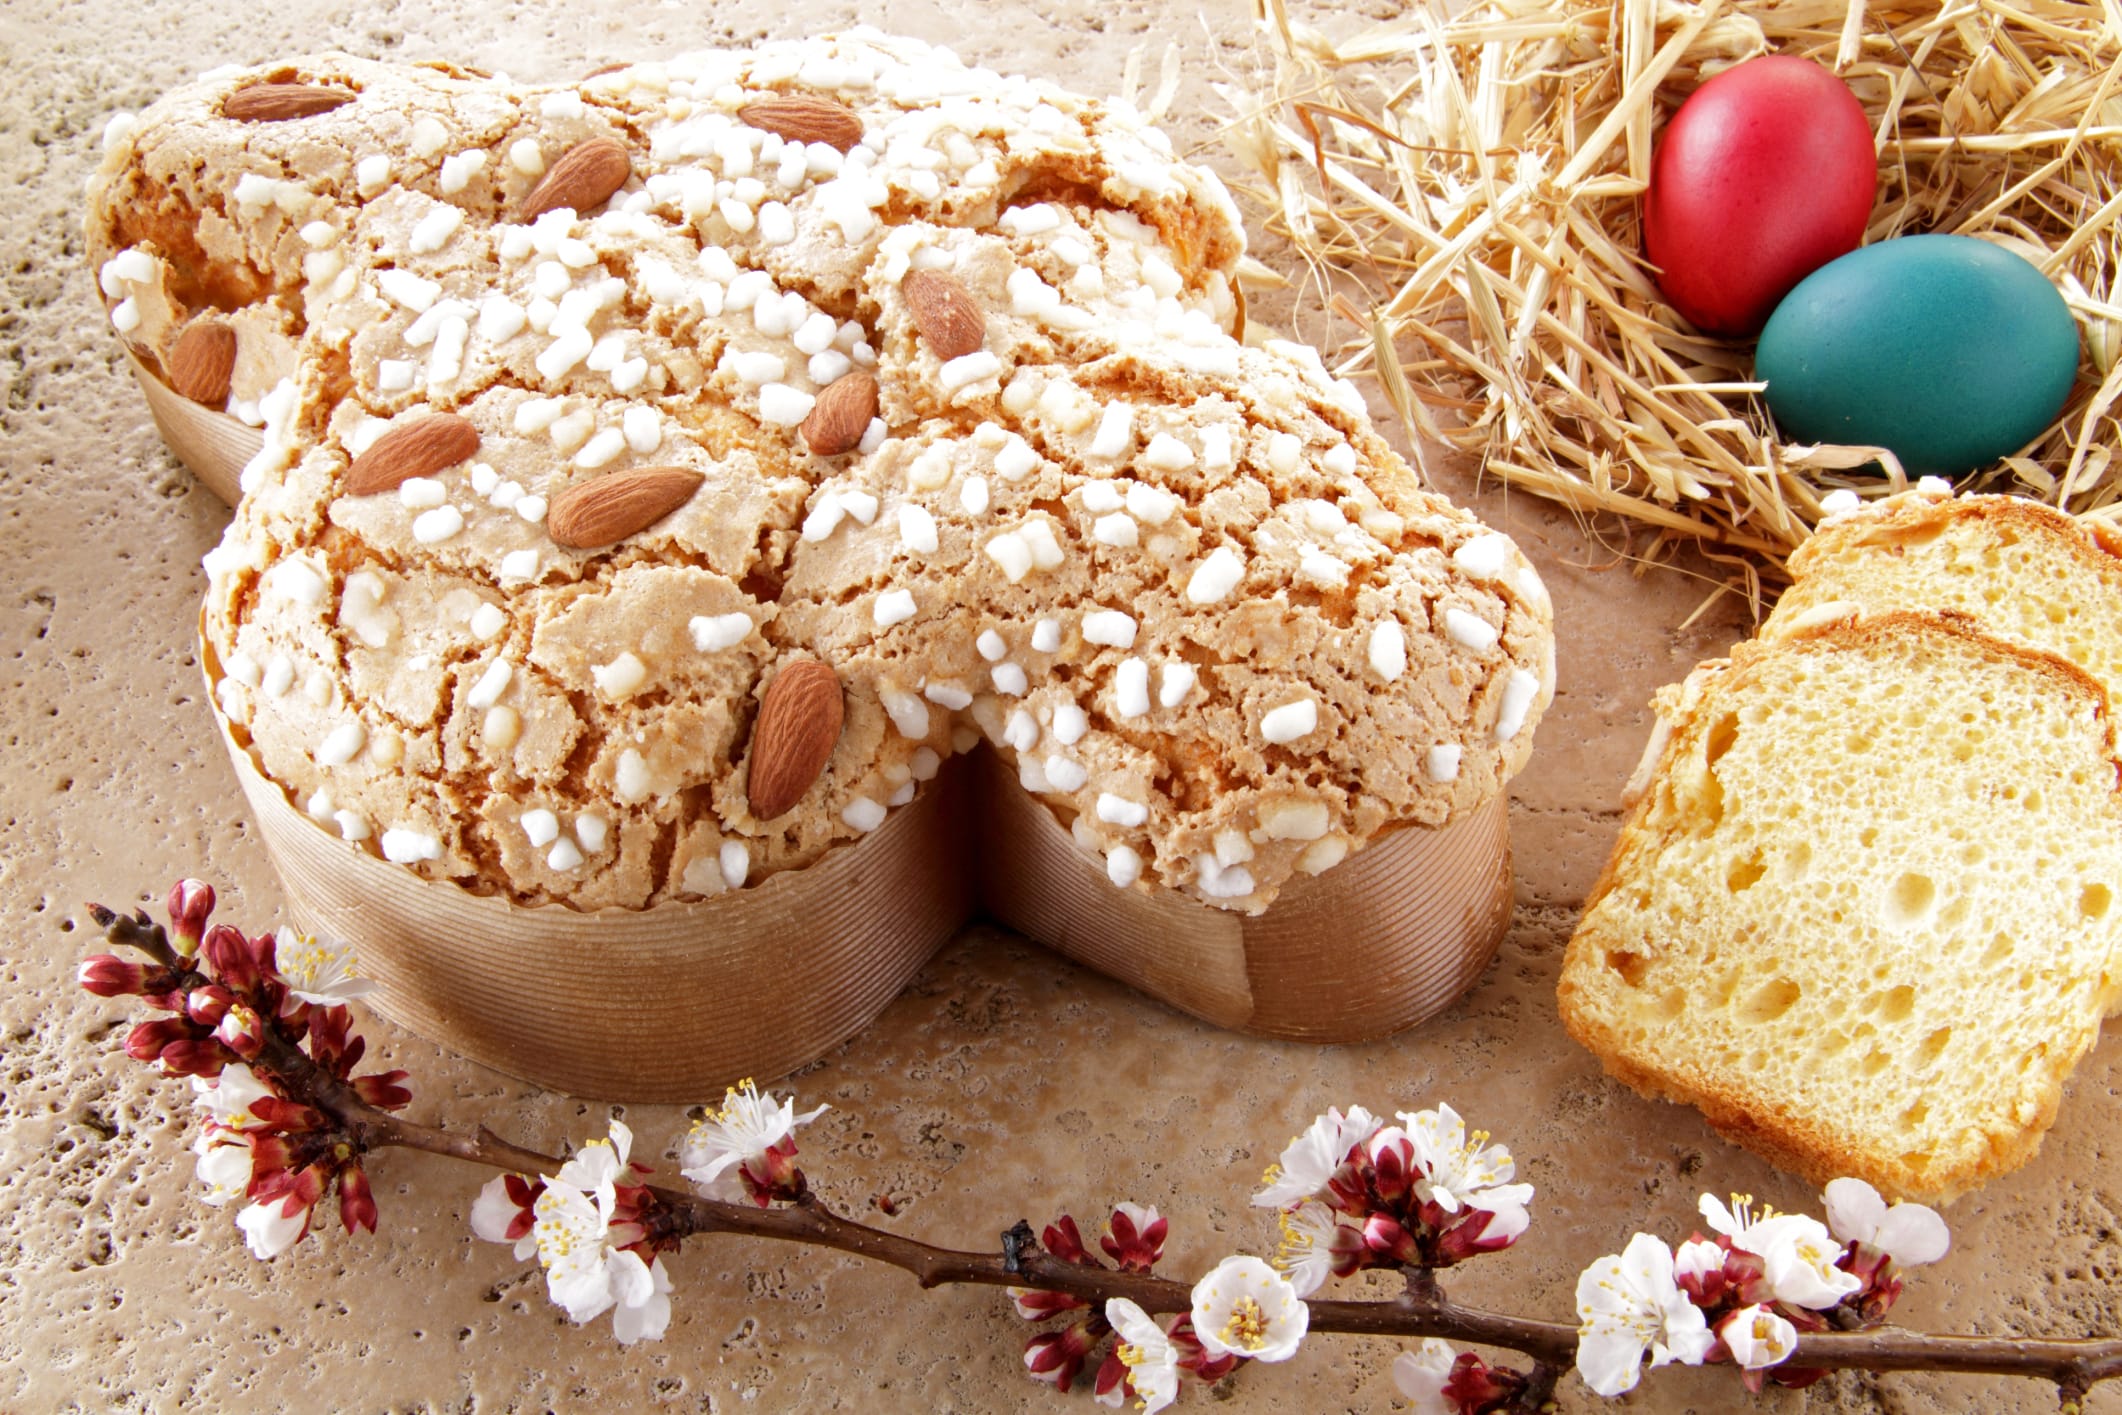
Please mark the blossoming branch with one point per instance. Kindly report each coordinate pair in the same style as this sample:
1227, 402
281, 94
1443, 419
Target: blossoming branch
260, 1026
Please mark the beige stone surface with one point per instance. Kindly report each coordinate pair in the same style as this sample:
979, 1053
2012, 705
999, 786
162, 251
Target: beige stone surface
1006, 1082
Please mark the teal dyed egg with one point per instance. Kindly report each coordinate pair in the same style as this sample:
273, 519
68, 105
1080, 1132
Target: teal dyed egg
1948, 350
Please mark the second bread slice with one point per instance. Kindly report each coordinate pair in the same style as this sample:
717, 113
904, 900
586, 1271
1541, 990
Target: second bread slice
2023, 571
1865, 917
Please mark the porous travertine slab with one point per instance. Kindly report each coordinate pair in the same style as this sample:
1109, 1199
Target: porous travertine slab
1006, 1083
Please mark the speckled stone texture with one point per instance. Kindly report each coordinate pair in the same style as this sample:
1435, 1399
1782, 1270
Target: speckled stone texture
1005, 1082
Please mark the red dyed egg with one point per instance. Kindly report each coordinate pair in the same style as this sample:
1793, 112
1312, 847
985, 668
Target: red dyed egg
1764, 175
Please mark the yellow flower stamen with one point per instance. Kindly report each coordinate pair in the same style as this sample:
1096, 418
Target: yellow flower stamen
1295, 1244
1247, 1327
745, 1089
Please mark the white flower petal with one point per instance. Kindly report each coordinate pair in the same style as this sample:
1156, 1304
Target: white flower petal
1420, 1375
583, 1290
269, 1230
318, 970
1854, 1209
1799, 1255
1507, 1222
590, 1168
631, 1284
1500, 1197
1312, 1157
1152, 1363
649, 1320
747, 1125
1686, 1335
1135, 1326
1696, 1258
493, 1211
1628, 1303
1246, 1308
1611, 1362
224, 1167
1458, 1173
1720, 1219
1758, 1337
1913, 1235
227, 1100
1647, 1264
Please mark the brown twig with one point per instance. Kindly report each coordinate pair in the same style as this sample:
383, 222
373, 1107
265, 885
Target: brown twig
138, 932
1423, 1310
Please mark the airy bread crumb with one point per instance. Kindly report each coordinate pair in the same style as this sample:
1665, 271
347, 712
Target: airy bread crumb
1864, 916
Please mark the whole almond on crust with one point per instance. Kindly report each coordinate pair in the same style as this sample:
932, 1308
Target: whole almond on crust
805, 118
798, 727
275, 103
841, 415
613, 507
203, 361
414, 449
583, 179
945, 312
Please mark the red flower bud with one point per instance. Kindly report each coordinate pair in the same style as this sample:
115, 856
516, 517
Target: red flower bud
1348, 1187
1057, 1356
773, 1175
190, 901
147, 1040
302, 1187
1478, 1231
1476, 1385
357, 1206
381, 1090
207, 1004
1746, 1277
229, 955
331, 1041
1135, 1250
1393, 1165
1389, 1240
1191, 1357
523, 1193
1062, 1239
270, 1157
204, 1057
108, 975
266, 949
1351, 1254
1037, 1304
286, 1116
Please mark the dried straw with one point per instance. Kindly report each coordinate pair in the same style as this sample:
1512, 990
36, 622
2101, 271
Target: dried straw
1479, 176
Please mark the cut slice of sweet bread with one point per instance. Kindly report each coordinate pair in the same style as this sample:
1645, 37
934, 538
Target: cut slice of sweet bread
1864, 917
2024, 572
2019, 570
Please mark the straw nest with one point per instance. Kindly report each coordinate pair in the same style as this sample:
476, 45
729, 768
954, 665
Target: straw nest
1478, 176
